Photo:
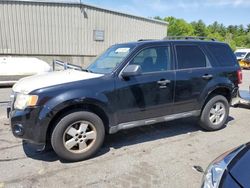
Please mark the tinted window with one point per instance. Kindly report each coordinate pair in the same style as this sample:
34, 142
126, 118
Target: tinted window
223, 54
190, 57
153, 59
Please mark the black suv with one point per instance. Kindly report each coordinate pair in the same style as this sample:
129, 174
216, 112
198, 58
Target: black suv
129, 85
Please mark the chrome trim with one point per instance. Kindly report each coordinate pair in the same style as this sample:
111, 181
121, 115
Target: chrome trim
150, 121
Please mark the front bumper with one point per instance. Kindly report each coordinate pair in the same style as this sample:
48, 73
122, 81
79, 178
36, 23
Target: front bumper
27, 125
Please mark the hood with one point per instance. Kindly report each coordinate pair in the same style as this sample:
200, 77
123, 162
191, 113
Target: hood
31, 83
240, 167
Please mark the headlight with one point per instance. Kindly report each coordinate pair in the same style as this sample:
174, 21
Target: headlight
215, 170
213, 175
22, 101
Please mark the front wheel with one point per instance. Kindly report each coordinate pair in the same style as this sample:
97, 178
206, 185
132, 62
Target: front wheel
78, 136
215, 113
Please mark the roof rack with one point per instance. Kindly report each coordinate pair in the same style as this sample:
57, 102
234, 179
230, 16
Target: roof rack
188, 38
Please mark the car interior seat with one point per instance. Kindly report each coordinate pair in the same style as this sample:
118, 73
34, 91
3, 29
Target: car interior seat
147, 64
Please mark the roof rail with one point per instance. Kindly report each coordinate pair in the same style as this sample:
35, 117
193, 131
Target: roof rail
188, 38
141, 40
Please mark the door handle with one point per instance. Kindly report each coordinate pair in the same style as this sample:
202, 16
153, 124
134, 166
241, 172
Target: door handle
163, 82
207, 76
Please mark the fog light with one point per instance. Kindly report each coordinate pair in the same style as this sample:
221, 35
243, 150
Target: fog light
18, 130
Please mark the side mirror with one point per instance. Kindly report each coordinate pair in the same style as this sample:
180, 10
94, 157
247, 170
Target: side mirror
131, 70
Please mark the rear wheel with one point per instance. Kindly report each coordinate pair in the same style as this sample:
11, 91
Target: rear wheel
78, 136
215, 113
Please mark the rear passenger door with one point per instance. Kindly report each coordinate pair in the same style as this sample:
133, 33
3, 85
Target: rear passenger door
193, 73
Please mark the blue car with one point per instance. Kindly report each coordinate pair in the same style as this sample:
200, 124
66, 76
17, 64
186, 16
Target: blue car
230, 170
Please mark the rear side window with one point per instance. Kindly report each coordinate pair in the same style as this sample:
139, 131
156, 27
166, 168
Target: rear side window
223, 54
190, 56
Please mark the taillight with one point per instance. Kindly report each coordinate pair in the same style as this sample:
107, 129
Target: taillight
239, 76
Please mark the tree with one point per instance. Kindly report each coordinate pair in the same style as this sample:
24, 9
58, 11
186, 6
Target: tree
179, 27
248, 40
234, 35
232, 29
248, 28
222, 30
240, 30
199, 28
158, 18
216, 36
230, 41
214, 28
241, 40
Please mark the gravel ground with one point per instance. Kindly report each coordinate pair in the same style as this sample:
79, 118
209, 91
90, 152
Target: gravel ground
162, 155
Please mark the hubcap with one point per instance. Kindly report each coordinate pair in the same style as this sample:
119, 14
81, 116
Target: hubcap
217, 113
79, 136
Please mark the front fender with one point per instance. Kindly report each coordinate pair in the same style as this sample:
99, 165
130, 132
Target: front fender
58, 102
71, 98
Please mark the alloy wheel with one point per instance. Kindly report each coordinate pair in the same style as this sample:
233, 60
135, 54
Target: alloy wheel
79, 136
217, 113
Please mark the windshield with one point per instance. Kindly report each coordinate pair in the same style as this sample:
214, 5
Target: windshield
110, 59
240, 54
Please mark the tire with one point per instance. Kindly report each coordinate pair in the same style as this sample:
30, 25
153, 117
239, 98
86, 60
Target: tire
215, 113
78, 136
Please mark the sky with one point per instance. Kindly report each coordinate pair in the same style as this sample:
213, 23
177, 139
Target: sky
228, 12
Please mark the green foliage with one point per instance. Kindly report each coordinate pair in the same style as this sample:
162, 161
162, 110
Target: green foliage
235, 35
200, 29
216, 36
179, 27
230, 41
248, 28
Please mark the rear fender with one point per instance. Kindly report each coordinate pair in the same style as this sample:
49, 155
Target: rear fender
225, 84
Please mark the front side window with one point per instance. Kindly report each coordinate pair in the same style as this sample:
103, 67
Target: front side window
190, 56
110, 59
153, 59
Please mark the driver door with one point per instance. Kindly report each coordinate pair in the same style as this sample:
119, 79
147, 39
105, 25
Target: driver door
151, 93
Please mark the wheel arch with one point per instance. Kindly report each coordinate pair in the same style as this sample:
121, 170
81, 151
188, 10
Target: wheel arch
224, 91
99, 111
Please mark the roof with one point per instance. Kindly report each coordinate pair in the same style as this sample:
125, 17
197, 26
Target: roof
243, 50
80, 2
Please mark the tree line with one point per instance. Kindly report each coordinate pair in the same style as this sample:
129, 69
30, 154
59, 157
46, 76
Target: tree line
237, 36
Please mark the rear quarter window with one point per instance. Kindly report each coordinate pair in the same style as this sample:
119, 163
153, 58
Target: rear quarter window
223, 54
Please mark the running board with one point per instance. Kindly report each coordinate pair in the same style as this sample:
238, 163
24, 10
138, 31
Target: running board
150, 121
